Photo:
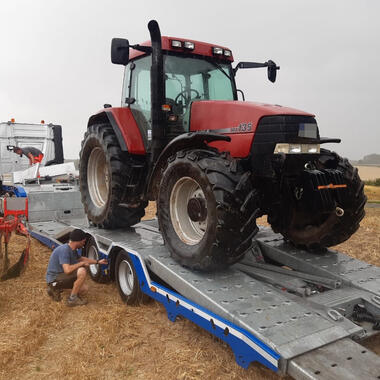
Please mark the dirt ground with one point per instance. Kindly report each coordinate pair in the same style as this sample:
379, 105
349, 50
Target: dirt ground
42, 339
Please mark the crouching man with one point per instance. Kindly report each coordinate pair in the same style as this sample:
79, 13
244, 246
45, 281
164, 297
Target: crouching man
67, 269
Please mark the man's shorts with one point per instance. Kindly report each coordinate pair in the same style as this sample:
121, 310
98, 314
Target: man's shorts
38, 158
66, 281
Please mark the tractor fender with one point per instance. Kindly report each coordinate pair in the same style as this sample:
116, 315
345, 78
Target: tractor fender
185, 141
130, 137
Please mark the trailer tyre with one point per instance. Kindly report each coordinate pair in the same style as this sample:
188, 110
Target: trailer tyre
92, 252
127, 281
103, 175
207, 209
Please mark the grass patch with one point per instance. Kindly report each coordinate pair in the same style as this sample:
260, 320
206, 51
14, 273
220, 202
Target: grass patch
372, 193
373, 182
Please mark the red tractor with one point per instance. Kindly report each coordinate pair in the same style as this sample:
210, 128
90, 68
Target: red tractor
214, 164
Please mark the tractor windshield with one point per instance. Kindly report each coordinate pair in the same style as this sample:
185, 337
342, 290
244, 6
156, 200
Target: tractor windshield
188, 79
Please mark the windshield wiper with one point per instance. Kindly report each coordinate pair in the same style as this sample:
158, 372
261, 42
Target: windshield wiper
220, 68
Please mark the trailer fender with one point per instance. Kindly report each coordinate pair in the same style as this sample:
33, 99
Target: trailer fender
130, 137
111, 257
187, 141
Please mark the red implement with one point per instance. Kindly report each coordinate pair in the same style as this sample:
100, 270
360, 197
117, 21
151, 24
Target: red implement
10, 222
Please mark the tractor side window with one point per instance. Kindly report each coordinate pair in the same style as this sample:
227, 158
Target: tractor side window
140, 91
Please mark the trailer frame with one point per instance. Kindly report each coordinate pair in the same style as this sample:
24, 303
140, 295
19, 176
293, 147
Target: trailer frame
181, 294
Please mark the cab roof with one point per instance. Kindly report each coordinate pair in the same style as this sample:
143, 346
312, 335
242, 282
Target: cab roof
200, 48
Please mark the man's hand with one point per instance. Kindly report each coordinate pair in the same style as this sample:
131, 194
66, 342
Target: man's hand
86, 261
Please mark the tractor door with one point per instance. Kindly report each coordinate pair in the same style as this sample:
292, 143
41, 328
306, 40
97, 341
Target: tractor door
189, 79
136, 94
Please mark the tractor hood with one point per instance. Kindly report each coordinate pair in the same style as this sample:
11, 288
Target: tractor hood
237, 119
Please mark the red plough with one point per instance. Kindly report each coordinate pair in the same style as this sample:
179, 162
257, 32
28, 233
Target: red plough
14, 214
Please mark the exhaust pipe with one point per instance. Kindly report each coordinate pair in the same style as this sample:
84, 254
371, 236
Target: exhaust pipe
339, 212
157, 91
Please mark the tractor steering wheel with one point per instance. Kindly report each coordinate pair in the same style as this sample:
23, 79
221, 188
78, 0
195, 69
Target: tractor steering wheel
184, 94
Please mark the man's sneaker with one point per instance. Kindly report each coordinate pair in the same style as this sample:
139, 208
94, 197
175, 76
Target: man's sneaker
54, 293
75, 301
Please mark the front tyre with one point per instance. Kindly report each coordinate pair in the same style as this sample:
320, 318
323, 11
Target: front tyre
207, 209
316, 231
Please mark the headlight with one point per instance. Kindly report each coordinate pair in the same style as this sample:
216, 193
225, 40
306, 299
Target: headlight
217, 50
297, 148
176, 44
188, 45
312, 148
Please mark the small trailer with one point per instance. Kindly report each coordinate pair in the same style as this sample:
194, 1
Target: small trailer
298, 313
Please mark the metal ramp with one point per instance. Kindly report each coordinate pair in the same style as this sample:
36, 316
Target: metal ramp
343, 359
308, 336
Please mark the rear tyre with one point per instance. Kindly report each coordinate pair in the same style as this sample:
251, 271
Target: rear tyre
103, 176
127, 281
207, 209
315, 232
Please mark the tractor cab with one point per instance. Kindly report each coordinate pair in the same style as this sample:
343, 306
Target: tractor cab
188, 77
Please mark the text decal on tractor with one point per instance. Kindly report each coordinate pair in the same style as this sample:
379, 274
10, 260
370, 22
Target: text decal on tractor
212, 163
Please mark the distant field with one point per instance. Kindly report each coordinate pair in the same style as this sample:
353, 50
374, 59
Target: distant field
368, 172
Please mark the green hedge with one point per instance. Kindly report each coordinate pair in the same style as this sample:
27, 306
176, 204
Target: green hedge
373, 182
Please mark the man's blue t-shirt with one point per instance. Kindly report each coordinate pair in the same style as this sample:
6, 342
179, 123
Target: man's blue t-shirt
61, 255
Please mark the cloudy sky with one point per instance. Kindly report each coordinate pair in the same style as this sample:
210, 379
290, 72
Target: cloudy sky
55, 58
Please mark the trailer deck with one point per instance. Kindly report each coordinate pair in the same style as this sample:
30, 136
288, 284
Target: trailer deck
294, 325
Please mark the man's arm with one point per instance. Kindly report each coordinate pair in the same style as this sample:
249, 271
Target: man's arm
31, 158
88, 261
67, 268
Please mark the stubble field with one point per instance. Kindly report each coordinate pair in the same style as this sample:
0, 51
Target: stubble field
42, 339
368, 172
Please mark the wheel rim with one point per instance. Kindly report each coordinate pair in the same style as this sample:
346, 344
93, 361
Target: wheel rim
126, 277
93, 254
189, 231
98, 177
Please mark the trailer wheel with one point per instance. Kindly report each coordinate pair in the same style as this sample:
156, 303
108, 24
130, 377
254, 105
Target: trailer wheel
91, 251
315, 232
207, 209
127, 281
103, 175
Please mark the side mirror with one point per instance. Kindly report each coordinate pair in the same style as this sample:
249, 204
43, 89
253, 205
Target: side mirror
272, 71
272, 68
120, 51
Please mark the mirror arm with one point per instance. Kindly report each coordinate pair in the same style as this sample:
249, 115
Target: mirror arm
144, 49
253, 65
242, 94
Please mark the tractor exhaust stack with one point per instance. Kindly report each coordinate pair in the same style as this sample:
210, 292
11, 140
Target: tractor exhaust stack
157, 91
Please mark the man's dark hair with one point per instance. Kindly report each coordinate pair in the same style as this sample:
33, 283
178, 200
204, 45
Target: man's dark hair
77, 235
